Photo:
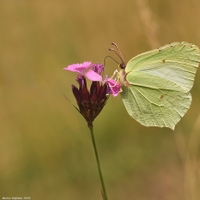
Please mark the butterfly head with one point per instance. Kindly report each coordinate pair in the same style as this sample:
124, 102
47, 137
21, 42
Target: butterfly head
122, 65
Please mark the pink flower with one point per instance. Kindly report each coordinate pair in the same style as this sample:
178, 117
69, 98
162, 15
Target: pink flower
91, 101
114, 87
91, 71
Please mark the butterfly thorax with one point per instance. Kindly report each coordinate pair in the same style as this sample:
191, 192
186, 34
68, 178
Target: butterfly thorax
122, 78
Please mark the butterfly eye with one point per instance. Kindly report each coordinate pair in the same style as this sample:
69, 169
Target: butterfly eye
122, 65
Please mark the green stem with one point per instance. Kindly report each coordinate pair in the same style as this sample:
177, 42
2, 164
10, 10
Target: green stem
98, 164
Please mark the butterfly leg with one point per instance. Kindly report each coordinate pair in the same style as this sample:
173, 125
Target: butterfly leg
115, 74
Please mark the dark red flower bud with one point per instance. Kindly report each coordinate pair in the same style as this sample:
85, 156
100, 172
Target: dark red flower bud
103, 91
76, 94
90, 103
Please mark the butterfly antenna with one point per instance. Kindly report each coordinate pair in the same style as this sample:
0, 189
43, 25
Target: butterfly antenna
111, 58
119, 54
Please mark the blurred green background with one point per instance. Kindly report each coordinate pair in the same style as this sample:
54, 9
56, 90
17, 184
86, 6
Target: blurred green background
45, 146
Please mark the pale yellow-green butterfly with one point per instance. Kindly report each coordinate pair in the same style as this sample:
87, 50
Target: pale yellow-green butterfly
156, 84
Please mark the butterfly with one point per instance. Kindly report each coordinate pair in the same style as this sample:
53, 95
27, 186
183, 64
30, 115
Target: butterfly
156, 84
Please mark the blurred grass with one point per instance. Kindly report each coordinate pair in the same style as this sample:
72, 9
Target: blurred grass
45, 147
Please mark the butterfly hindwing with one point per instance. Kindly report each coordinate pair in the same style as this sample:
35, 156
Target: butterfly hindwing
153, 107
